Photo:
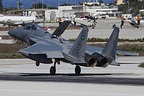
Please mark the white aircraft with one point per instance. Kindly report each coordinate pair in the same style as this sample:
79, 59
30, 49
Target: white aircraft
18, 20
82, 18
134, 22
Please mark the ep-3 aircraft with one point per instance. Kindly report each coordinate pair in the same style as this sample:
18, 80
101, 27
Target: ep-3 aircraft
50, 48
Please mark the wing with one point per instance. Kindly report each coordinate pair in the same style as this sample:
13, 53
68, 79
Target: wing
48, 48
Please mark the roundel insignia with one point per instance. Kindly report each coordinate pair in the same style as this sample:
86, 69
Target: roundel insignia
82, 37
77, 52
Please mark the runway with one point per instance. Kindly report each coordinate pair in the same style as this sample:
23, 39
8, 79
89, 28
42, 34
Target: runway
25, 70
22, 77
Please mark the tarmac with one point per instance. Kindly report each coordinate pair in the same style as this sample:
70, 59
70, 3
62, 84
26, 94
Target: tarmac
22, 77
102, 30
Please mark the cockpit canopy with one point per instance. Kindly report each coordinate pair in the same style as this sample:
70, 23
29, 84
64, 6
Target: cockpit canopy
33, 26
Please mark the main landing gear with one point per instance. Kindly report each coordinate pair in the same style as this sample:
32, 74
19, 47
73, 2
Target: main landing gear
53, 68
37, 64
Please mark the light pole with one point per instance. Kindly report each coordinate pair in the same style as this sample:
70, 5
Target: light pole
84, 8
66, 1
42, 3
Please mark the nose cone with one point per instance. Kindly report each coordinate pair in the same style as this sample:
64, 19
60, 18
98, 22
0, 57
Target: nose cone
16, 33
12, 33
19, 34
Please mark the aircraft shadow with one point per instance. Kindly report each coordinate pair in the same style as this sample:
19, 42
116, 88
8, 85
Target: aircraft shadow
59, 74
93, 78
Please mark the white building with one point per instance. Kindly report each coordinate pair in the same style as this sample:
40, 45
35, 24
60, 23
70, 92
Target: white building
93, 10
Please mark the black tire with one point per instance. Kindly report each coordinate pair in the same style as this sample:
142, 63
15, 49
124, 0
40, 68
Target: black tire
52, 70
77, 70
37, 64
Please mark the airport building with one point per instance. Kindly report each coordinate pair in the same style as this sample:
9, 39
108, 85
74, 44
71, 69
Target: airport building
109, 11
105, 10
68, 12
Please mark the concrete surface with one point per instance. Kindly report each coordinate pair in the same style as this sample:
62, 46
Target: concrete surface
16, 88
103, 30
119, 79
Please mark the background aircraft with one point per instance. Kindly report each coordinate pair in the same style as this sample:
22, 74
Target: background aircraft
46, 48
134, 23
84, 18
18, 20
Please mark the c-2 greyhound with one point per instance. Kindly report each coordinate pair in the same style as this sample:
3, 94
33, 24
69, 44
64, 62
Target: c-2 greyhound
46, 48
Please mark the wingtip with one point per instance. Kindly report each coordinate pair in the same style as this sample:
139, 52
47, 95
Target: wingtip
115, 27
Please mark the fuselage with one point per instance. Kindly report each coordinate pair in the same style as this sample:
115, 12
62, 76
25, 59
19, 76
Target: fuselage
25, 33
16, 18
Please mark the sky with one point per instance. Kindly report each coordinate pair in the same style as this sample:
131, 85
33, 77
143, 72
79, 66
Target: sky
52, 3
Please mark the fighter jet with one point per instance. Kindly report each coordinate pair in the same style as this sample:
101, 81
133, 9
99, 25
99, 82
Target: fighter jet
51, 48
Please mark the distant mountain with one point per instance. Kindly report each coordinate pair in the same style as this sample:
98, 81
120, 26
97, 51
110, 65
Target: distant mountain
53, 3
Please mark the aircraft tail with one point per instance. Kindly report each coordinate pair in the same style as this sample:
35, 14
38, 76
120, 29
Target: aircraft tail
77, 52
59, 31
111, 45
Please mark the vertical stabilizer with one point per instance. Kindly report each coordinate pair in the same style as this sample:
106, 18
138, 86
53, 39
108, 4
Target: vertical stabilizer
111, 45
78, 48
77, 51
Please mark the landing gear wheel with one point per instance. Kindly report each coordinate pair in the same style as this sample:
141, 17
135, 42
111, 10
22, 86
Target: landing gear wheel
52, 70
77, 70
37, 64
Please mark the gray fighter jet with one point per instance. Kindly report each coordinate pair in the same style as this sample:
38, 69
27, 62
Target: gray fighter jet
50, 48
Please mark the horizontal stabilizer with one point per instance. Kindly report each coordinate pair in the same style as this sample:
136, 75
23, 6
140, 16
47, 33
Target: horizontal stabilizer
114, 63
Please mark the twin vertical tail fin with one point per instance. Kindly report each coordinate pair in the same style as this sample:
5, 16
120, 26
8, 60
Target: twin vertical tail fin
77, 52
78, 48
111, 45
